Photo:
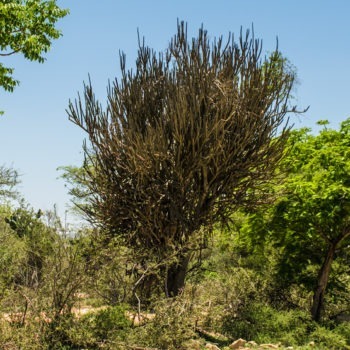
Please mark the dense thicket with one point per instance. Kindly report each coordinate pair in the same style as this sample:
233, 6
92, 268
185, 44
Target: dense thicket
48, 281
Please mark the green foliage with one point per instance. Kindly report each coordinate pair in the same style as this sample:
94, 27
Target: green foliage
240, 293
98, 329
172, 327
112, 274
108, 324
318, 186
24, 222
13, 254
239, 300
331, 339
41, 272
37, 240
343, 330
64, 276
264, 324
76, 179
26, 27
308, 226
8, 180
229, 299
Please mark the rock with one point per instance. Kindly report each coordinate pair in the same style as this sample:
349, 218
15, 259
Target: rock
252, 343
210, 346
269, 346
312, 343
238, 344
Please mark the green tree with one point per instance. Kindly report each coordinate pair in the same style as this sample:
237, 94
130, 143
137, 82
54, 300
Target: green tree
185, 138
27, 27
310, 221
28, 227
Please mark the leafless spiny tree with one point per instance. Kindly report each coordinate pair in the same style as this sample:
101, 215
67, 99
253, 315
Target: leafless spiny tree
185, 138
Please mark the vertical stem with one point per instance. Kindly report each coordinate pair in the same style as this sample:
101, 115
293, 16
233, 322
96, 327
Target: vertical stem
322, 281
176, 274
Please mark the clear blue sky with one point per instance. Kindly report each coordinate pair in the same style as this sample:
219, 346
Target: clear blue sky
35, 134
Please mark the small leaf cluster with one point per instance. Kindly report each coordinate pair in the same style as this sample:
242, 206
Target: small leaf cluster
27, 27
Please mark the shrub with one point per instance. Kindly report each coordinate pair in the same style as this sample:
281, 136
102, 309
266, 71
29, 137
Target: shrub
102, 327
344, 330
171, 328
111, 322
262, 323
331, 339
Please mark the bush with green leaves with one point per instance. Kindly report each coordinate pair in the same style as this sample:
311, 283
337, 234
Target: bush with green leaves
110, 323
331, 339
27, 28
109, 268
264, 324
343, 329
104, 328
12, 254
40, 274
171, 328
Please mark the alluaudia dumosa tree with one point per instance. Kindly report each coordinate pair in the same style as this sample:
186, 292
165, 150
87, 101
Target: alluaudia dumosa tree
184, 139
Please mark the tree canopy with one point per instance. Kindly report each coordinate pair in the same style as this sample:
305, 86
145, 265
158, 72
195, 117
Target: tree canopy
318, 203
26, 27
310, 221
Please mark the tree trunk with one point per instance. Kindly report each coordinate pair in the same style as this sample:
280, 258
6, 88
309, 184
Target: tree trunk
175, 276
322, 281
